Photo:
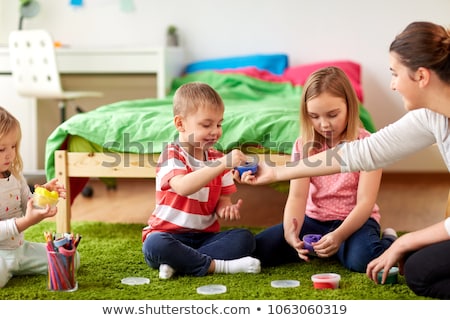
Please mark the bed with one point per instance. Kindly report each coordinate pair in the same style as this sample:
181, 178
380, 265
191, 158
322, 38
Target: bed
123, 140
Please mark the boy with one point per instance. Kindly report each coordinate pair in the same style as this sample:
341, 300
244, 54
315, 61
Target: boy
193, 187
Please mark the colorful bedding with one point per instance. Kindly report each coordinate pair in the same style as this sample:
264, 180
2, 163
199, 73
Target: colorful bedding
273, 63
260, 109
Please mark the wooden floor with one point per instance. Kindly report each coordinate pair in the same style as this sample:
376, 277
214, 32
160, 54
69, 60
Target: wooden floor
407, 202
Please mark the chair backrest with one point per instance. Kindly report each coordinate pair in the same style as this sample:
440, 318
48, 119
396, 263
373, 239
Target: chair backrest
33, 64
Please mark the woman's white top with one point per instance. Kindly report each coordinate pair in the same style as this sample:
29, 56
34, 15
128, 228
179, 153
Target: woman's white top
415, 131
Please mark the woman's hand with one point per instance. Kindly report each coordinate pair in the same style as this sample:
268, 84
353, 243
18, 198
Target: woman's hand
264, 175
385, 262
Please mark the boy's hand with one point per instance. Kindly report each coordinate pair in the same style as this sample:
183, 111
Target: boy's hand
230, 212
235, 158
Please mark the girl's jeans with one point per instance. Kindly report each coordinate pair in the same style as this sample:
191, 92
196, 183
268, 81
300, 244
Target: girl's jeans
191, 253
354, 253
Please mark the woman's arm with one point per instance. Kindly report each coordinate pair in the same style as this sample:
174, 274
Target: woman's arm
186, 184
320, 164
412, 133
404, 137
409, 242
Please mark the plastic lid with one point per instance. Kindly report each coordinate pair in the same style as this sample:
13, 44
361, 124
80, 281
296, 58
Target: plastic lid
285, 283
132, 281
212, 289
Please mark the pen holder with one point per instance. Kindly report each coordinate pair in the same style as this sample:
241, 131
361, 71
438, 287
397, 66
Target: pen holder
61, 270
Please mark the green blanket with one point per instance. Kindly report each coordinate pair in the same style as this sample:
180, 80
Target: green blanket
256, 112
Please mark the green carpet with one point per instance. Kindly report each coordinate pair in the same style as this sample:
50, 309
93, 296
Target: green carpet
110, 252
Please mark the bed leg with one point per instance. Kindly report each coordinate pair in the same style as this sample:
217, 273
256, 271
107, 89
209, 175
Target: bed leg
64, 214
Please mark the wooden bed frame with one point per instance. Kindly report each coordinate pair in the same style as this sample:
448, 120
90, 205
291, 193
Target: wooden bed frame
91, 165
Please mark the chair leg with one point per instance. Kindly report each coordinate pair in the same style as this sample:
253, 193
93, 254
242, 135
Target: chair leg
447, 212
62, 110
87, 192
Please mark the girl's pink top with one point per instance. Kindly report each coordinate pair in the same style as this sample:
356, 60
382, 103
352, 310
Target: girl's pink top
332, 197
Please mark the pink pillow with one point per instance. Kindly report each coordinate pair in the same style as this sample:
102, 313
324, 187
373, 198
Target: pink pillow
256, 73
299, 74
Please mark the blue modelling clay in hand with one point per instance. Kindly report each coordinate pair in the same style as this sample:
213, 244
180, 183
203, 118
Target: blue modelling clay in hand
247, 166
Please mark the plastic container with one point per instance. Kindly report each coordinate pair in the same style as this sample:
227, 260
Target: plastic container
392, 276
42, 197
326, 280
253, 166
309, 239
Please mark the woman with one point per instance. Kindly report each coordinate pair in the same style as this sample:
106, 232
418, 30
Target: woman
420, 66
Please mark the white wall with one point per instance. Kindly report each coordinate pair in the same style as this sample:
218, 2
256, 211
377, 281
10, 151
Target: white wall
307, 31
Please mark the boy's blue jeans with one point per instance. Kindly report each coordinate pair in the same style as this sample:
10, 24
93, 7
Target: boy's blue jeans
354, 253
191, 253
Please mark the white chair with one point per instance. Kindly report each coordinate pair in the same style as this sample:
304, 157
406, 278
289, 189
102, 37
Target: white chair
34, 69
